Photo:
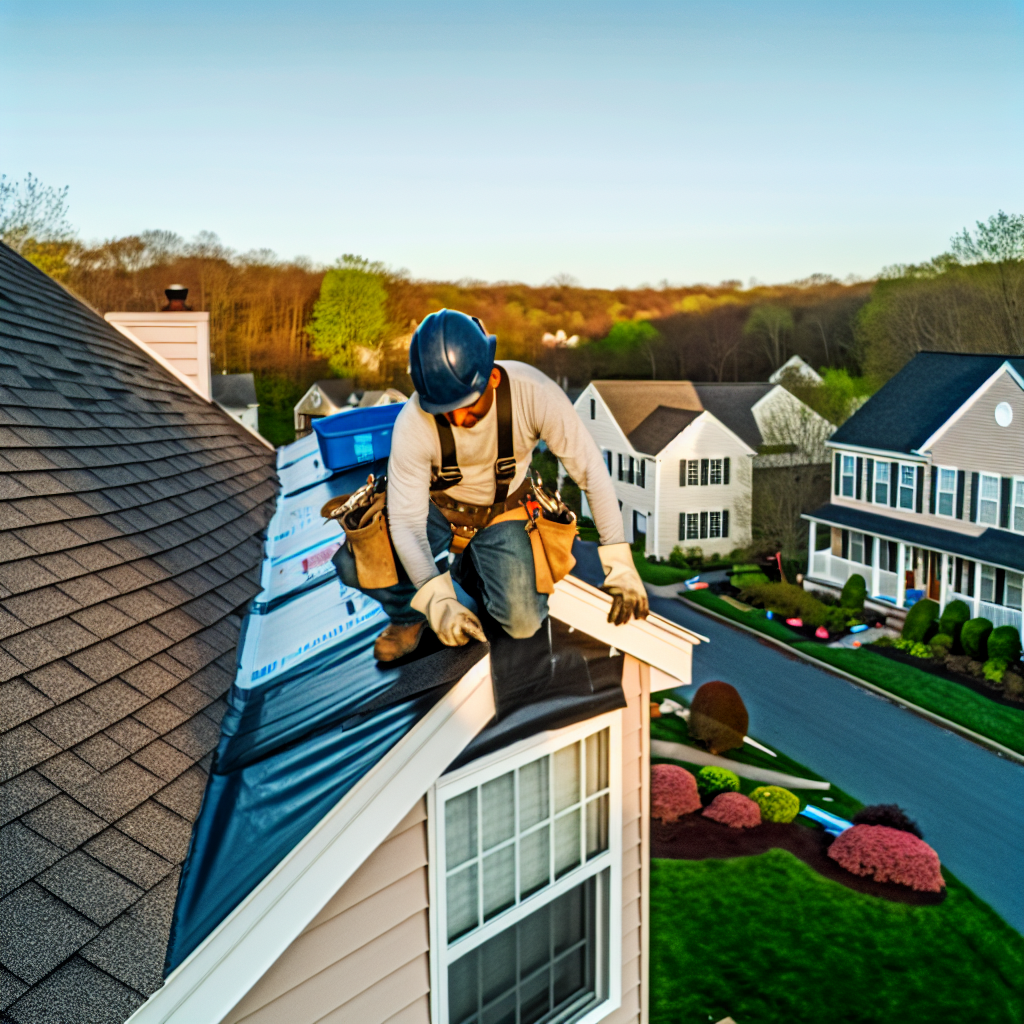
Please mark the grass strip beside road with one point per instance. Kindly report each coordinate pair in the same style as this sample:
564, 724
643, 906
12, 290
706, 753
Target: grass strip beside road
767, 939
775, 628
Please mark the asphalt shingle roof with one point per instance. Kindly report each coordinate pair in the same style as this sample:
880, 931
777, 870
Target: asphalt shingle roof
131, 514
911, 406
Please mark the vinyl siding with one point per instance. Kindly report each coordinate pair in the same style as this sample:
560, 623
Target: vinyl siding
364, 958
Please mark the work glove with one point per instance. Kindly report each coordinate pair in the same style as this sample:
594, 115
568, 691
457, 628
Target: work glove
453, 623
623, 582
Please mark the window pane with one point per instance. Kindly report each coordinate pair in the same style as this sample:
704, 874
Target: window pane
945, 504
597, 826
882, 494
502, 1012
988, 512
907, 475
856, 547
567, 777
534, 997
988, 583
533, 793
534, 861
497, 811
462, 989
535, 941
882, 472
498, 965
716, 471
499, 881
990, 487
462, 909
597, 762
1013, 589
947, 479
460, 829
692, 473
567, 842
907, 497
847, 463
715, 524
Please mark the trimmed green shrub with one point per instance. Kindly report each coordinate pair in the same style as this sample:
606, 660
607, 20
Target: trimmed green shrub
941, 644
994, 669
1004, 643
749, 579
789, 600
974, 638
952, 620
713, 780
854, 592
920, 619
918, 650
718, 717
677, 559
776, 803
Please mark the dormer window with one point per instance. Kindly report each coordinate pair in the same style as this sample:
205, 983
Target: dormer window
882, 482
849, 468
908, 480
945, 496
988, 500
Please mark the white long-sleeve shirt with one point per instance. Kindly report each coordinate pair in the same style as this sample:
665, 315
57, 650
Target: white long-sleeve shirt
540, 411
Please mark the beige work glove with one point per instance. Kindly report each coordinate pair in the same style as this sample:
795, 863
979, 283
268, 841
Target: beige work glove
453, 623
623, 582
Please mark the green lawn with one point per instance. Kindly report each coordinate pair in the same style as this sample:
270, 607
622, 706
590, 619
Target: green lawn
767, 940
755, 619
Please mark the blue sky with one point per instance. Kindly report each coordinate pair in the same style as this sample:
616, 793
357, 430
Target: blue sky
621, 143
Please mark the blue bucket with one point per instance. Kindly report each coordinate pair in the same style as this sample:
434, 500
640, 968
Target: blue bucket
355, 436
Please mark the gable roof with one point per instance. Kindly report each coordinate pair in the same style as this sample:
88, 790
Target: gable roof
234, 390
658, 430
632, 401
909, 408
733, 404
130, 529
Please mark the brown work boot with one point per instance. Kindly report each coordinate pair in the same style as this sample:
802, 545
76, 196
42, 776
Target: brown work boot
396, 641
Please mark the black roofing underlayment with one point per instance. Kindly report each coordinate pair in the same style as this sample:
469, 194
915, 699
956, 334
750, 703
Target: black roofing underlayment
130, 520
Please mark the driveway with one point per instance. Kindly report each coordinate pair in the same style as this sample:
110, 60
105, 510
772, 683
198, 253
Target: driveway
968, 801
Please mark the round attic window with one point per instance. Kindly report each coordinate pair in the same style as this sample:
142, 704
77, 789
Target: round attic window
1004, 414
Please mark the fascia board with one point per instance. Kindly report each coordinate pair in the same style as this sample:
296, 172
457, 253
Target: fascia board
662, 644
249, 941
714, 419
885, 453
611, 416
1005, 368
259, 437
157, 358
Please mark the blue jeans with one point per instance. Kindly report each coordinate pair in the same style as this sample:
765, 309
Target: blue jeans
496, 571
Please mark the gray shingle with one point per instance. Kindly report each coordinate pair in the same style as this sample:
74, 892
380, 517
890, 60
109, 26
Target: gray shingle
163, 760
128, 858
101, 752
132, 948
189, 699
150, 679
22, 793
103, 620
70, 723
59, 681
19, 702
195, 737
117, 791
64, 822
77, 993
37, 932
142, 641
89, 887
185, 794
113, 700
130, 734
41, 606
159, 830
102, 661
68, 771
21, 749
10, 988
161, 716
23, 854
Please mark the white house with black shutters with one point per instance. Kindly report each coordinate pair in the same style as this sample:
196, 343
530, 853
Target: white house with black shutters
682, 455
928, 489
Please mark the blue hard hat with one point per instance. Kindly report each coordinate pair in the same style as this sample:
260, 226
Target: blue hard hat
450, 359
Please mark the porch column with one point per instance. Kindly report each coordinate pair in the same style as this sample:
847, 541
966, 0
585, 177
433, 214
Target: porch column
901, 574
944, 581
977, 589
812, 540
876, 543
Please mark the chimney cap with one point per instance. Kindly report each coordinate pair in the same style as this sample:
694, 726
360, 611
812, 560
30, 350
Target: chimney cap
176, 296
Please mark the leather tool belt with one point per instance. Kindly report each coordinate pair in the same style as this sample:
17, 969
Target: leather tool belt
467, 521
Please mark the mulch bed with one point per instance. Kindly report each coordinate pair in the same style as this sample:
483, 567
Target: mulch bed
695, 837
937, 668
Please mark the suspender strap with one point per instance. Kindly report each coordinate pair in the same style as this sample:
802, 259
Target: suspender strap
505, 465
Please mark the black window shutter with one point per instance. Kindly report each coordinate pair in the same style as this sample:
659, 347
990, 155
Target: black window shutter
682, 475
846, 544
894, 483
1000, 584
642, 481
860, 473
836, 476
682, 526
725, 480
870, 481
969, 571
593, 409
974, 497
703, 525
725, 518
620, 467
893, 556
960, 494
704, 472
958, 578
1004, 502
920, 488
868, 541
935, 487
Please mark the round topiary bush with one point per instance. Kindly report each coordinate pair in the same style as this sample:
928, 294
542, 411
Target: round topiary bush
1004, 643
890, 815
953, 617
888, 855
713, 780
673, 792
718, 717
854, 592
920, 618
941, 644
974, 636
776, 803
734, 810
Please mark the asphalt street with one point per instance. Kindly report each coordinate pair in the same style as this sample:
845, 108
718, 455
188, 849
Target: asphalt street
968, 801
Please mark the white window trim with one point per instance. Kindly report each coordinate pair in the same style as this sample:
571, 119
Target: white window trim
476, 774
900, 485
939, 492
1014, 482
982, 477
880, 464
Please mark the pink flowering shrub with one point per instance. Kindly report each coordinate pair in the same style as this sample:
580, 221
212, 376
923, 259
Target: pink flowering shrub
888, 855
734, 810
673, 792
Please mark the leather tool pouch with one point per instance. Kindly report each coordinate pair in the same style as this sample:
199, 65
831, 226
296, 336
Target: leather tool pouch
556, 545
366, 529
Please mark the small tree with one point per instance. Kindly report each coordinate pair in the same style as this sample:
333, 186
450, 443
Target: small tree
33, 222
349, 325
628, 337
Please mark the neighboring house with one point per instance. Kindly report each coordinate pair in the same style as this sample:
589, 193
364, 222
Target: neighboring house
928, 488
682, 455
326, 397
235, 393
794, 366
131, 518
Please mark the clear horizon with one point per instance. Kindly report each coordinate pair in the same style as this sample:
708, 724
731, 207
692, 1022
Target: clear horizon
622, 144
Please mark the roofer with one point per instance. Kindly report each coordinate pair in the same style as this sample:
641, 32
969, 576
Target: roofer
458, 480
